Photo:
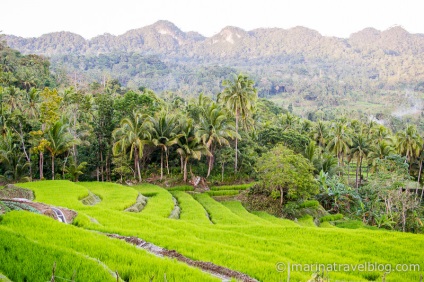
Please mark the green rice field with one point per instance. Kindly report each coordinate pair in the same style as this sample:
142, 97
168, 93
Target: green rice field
224, 233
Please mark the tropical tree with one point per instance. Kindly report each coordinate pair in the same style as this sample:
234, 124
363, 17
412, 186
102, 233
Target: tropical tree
339, 141
163, 133
409, 143
381, 150
214, 129
239, 96
12, 97
32, 103
289, 121
381, 133
59, 141
288, 173
133, 133
190, 146
12, 159
360, 149
320, 133
75, 170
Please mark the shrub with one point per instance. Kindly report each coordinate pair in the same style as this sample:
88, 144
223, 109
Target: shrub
331, 217
181, 188
234, 187
223, 193
309, 204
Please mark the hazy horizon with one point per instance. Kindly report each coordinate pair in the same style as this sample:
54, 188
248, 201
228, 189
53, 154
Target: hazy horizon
28, 18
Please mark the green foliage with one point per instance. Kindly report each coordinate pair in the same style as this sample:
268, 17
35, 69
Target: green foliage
234, 187
309, 204
181, 188
331, 217
289, 173
223, 192
307, 221
191, 210
94, 255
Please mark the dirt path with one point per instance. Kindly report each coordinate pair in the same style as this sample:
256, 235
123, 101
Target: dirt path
61, 214
223, 273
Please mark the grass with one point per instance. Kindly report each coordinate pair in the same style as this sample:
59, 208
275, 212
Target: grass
307, 220
218, 213
233, 187
113, 196
275, 220
237, 239
191, 210
181, 188
131, 263
331, 217
223, 192
160, 201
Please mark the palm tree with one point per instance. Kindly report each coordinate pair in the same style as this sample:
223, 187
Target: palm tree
32, 100
339, 141
320, 133
59, 141
163, 132
133, 133
381, 150
409, 143
214, 128
360, 149
75, 170
381, 133
12, 158
239, 96
289, 121
12, 97
190, 146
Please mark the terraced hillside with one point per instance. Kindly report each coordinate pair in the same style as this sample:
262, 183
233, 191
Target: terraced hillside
224, 234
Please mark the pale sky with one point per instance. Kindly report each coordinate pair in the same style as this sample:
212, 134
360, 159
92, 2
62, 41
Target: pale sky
31, 18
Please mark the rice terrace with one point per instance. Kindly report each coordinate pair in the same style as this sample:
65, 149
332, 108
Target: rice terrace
222, 233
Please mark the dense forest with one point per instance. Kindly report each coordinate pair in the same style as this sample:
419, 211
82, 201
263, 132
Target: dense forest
356, 166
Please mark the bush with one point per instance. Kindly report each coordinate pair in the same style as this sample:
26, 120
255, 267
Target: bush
309, 204
223, 193
331, 217
181, 188
234, 187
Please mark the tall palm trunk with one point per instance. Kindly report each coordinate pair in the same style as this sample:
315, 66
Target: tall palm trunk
185, 169
419, 175
237, 126
210, 165
167, 163
211, 161
137, 164
357, 172
41, 164
182, 164
161, 163
52, 167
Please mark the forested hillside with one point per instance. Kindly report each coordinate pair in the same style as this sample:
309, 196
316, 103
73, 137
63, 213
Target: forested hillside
296, 66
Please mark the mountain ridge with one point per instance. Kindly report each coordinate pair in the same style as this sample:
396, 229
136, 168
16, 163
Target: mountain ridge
165, 38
